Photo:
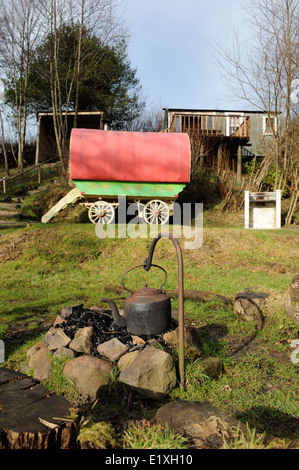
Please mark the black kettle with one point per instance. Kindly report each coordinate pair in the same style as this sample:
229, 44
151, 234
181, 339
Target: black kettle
147, 311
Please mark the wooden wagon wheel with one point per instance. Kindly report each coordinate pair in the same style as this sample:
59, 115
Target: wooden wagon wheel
156, 212
101, 212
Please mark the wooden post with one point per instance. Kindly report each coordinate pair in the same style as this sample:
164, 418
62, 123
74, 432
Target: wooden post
201, 159
246, 202
239, 164
37, 142
278, 208
219, 159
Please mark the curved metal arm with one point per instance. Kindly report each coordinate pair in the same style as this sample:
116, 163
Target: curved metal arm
138, 266
147, 266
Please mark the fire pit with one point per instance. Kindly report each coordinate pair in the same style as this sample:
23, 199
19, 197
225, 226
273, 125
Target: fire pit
145, 309
104, 328
97, 339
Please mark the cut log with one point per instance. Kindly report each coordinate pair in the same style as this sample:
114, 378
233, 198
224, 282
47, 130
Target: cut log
31, 417
249, 307
291, 300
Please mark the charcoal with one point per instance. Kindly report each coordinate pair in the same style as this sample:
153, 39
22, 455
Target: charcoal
103, 325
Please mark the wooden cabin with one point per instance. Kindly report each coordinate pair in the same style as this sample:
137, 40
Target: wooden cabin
239, 133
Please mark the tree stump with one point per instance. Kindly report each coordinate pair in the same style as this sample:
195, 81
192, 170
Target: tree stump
248, 307
291, 300
31, 417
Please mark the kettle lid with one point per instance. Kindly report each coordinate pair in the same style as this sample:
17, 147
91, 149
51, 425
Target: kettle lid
147, 291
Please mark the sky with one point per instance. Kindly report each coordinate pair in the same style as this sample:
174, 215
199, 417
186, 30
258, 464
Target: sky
170, 46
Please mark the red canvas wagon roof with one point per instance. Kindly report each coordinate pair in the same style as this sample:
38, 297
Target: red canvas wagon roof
129, 156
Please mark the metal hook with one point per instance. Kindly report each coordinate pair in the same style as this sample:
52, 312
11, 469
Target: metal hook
138, 266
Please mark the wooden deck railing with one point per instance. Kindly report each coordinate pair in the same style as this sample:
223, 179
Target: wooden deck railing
234, 126
243, 130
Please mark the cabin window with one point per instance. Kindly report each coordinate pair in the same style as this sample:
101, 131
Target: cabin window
269, 124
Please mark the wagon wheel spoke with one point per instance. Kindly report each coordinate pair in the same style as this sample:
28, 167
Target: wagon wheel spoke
156, 212
101, 212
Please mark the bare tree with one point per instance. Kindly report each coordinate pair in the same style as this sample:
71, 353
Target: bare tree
4, 145
2, 130
151, 118
18, 34
262, 72
102, 18
98, 17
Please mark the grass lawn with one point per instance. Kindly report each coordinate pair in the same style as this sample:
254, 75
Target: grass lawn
45, 268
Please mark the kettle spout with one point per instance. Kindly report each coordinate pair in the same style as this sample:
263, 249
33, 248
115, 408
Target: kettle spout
117, 318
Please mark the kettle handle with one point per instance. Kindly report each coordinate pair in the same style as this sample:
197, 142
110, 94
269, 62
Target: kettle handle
138, 266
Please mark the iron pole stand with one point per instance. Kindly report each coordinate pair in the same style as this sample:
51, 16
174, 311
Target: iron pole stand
148, 264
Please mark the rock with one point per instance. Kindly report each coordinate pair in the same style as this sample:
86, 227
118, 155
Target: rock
204, 423
212, 367
64, 352
68, 311
137, 340
112, 349
152, 373
291, 300
56, 338
40, 361
248, 307
36, 347
50, 332
191, 339
91, 374
98, 310
126, 360
82, 341
171, 338
58, 320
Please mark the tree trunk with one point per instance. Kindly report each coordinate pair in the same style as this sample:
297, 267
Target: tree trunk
31, 417
239, 164
3, 146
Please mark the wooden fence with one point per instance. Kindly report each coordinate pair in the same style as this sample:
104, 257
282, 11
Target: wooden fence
36, 168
